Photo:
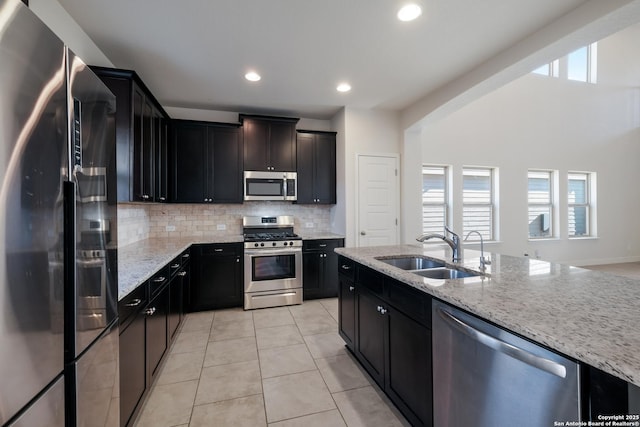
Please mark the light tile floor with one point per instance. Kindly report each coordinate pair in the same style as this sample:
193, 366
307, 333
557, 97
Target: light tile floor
284, 366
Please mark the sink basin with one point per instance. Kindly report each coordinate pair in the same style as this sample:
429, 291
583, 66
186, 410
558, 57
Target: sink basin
445, 273
412, 263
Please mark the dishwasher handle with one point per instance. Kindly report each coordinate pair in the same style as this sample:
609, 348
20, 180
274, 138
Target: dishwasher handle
498, 345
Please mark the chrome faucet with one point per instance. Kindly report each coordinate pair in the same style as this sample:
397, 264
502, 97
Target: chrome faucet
483, 261
454, 242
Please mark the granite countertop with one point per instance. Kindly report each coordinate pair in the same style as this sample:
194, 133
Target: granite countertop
318, 235
588, 315
139, 261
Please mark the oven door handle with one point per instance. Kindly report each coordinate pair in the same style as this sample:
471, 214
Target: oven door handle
268, 252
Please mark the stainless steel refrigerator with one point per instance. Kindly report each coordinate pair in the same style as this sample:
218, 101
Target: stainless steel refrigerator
58, 256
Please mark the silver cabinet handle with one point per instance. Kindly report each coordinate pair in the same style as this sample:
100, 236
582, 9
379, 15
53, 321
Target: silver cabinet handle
182, 273
150, 311
323, 245
498, 345
383, 310
218, 250
351, 288
159, 279
185, 256
175, 266
134, 303
345, 267
162, 199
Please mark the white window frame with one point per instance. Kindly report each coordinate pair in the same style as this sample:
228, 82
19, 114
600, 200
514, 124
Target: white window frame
588, 205
560, 67
446, 197
552, 204
491, 204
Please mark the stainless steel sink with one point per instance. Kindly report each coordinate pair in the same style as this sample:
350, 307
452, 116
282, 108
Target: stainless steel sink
445, 273
412, 262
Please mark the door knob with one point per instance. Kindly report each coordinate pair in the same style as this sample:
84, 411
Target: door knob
363, 233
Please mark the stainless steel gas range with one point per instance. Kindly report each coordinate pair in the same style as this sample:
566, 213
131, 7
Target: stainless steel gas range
272, 262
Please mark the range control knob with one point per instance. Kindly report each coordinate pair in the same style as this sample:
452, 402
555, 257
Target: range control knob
256, 245
274, 243
290, 243
261, 244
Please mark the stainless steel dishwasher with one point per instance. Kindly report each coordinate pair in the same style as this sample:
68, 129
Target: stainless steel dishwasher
485, 376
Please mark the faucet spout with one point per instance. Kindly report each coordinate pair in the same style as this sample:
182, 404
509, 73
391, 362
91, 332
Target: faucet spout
453, 242
483, 261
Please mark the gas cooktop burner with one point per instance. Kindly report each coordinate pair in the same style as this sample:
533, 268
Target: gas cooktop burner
272, 236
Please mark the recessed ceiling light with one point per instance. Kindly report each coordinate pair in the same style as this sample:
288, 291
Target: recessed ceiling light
252, 76
409, 12
343, 87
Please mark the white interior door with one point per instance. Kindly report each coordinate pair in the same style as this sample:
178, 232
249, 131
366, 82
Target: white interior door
378, 200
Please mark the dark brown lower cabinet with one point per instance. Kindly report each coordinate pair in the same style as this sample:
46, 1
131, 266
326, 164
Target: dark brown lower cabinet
132, 367
156, 337
347, 311
319, 269
387, 326
217, 277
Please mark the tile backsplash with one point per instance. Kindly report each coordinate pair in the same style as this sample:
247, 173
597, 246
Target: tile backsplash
139, 221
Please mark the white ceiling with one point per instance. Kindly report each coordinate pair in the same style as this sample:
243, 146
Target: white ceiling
194, 53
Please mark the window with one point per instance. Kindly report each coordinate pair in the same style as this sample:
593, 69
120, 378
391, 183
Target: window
580, 65
478, 202
435, 195
579, 204
540, 195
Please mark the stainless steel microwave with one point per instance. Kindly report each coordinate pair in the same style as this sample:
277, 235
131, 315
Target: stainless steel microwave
259, 185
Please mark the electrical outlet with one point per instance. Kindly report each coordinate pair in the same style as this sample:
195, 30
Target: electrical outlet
309, 225
170, 228
221, 227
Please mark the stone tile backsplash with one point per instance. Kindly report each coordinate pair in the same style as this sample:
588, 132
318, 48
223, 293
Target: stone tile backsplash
139, 221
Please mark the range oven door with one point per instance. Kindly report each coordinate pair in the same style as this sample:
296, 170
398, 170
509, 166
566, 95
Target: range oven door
268, 270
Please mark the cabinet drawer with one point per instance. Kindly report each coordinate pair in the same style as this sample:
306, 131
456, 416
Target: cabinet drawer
322, 244
158, 280
346, 267
370, 279
174, 266
221, 249
185, 256
131, 304
411, 302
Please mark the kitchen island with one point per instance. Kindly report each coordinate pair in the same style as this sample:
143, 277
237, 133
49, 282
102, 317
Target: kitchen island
589, 316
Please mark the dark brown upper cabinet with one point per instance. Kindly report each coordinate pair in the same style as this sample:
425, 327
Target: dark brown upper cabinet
141, 137
269, 143
206, 162
316, 162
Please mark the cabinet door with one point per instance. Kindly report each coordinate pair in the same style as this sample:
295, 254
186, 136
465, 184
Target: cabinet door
325, 169
408, 375
132, 367
217, 279
306, 168
370, 340
157, 337
282, 147
189, 163
347, 311
138, 132
226, 168
144, 169
330, 275
256, 148
175, 305
312, 268
161, 162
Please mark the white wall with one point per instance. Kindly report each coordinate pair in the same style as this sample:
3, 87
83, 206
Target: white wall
550, 123
61, 23
365, 132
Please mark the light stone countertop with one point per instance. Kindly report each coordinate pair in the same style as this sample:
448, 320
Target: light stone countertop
318, 235
590, 316
139, 261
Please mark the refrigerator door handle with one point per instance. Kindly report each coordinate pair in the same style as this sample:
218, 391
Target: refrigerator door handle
498, 345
